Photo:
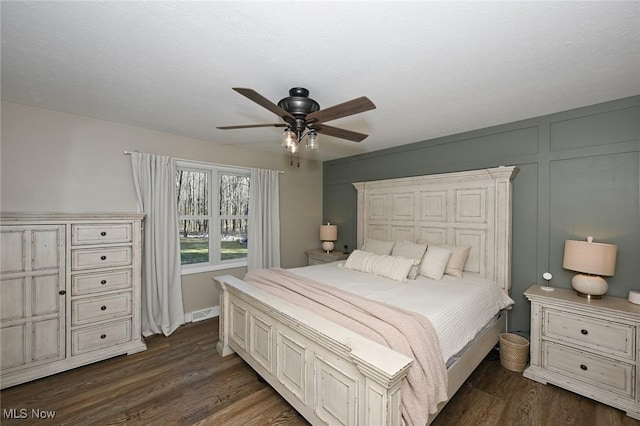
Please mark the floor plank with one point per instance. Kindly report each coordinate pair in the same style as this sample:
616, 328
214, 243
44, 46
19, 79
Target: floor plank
182, 380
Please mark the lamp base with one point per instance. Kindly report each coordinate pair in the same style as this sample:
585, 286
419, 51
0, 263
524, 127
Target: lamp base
589, 296
589, 286
328, 246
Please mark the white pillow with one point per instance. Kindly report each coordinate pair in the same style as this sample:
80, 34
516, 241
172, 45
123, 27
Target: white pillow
393, 267
410, 251
458, 259
459, 255
377, 246
358, 260
434, 262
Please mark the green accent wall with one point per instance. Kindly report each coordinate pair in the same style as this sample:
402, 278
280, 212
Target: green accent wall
579, 175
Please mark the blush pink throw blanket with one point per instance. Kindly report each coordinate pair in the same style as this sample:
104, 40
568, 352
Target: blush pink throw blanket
406, 332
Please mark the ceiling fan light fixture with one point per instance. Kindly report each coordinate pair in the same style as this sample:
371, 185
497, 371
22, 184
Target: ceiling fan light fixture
289, 140
312, 140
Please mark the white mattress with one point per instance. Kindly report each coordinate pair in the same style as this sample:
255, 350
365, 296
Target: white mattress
458, 308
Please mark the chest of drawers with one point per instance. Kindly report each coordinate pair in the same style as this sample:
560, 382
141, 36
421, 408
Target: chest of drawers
70, 288
590, 347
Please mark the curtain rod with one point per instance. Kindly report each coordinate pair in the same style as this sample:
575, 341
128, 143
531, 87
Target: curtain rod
204, 162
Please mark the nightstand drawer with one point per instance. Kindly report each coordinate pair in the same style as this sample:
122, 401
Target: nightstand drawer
318, 257
314, 261
601, 373
606, 337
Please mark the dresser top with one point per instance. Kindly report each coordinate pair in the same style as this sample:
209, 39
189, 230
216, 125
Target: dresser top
66, 216
562, 295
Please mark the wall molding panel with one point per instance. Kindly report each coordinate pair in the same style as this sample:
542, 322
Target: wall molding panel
579, 175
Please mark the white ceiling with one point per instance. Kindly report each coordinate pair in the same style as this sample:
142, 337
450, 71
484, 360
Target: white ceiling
432, 68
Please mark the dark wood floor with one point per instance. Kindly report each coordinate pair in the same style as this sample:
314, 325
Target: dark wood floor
181, 380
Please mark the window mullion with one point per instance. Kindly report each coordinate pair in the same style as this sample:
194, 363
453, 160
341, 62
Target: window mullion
215, 240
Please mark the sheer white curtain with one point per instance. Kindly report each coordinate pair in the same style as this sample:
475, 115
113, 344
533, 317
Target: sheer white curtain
264, 220
154, 178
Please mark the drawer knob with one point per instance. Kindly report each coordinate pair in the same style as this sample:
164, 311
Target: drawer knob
103, 308
583, 367
103, 233
103, 336
103, 257
61, 292
585, 332
103, 282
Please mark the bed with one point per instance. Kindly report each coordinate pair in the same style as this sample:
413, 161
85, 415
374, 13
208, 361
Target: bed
333, 375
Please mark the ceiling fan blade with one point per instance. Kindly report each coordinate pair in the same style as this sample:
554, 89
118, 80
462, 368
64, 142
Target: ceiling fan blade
263, 102
248, 126
339, 133
354, 106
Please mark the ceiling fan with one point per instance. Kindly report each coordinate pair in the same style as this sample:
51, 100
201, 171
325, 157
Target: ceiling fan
303, 117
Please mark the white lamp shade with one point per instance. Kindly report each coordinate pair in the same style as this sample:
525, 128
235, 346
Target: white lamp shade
589, 257
328, 232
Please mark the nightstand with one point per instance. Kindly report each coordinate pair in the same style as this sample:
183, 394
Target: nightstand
316, 257
590, 347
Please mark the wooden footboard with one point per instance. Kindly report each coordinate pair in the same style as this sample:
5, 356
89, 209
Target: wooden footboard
329, 374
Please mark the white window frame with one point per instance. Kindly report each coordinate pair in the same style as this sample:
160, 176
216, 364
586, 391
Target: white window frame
214, 217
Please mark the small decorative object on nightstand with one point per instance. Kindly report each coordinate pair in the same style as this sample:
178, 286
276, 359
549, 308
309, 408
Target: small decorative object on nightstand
591, 260
634, 297
588, 346
547, 277
328, 234
316, 257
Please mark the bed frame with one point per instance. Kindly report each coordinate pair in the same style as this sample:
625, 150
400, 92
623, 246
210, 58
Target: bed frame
331, 375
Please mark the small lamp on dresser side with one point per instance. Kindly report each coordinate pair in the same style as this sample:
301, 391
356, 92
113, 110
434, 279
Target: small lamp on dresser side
591, 261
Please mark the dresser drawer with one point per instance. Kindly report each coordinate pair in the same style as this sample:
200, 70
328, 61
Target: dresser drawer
102, 281
94, 309
100, 258
599, 372
101, 233
609, 338
98, 337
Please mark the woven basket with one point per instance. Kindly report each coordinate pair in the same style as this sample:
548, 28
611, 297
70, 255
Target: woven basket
514, 352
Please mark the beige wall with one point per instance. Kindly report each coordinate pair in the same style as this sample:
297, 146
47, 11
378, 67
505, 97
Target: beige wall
53, 161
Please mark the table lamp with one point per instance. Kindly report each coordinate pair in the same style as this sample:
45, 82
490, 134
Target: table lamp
591, 260
328, 234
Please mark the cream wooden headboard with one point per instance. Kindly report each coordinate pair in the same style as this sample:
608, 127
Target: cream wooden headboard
470, 208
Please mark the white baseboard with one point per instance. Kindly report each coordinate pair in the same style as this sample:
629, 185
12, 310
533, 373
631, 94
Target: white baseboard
202, 314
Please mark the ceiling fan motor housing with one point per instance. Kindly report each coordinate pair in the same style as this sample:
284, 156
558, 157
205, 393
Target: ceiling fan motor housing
299, 104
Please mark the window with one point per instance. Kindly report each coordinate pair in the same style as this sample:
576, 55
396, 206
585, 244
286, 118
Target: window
213, 214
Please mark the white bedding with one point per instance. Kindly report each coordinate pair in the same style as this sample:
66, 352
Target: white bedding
458, 308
